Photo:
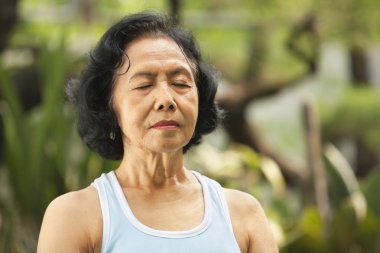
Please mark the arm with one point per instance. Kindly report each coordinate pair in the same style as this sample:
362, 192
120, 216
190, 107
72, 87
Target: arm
67, 225
260, 235
251, 226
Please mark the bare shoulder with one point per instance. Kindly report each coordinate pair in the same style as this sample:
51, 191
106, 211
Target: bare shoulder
72, 223
250, 224
76, 202
242, 202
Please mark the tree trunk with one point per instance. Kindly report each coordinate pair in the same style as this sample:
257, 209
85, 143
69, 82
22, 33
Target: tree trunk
8, 18
315, 160
174, 10
359, 66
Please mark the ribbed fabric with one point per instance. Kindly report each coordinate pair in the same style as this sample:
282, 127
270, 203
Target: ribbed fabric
123, 233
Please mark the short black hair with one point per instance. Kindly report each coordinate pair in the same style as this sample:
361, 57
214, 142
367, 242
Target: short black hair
91, 93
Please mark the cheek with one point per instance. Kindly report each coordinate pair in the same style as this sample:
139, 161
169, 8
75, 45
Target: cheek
191, 111
194, 104
132, 115
121, 108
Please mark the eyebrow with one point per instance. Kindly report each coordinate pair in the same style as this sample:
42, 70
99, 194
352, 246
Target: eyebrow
144, 74
178, 71
171, 73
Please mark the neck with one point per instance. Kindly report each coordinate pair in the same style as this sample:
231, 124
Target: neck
141, 168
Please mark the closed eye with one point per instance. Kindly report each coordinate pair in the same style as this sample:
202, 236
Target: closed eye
144, 86
181, 85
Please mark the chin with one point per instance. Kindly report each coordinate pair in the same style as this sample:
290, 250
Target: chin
167, 145
167, 148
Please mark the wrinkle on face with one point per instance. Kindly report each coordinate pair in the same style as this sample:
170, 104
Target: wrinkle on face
157, 69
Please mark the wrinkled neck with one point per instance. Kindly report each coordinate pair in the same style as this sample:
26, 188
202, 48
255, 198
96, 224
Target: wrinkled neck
141, 168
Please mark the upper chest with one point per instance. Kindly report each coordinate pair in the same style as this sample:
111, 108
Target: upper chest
175, 209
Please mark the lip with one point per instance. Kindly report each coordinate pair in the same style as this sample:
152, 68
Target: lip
166, 124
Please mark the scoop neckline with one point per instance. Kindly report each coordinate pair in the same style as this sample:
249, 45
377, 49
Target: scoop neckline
123, 202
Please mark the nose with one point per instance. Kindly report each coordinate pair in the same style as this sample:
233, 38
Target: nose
164, 99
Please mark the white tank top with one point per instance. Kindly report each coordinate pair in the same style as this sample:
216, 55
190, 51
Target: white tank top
124, 233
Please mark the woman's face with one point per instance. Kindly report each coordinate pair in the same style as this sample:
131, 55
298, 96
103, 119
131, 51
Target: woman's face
156, 100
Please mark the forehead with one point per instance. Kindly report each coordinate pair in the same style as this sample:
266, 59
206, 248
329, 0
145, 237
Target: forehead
154, 52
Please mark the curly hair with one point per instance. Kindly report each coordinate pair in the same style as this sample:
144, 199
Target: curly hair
91, 93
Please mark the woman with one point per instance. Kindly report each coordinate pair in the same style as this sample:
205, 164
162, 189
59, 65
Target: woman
146, 97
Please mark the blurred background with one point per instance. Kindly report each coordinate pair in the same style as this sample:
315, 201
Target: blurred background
299, 80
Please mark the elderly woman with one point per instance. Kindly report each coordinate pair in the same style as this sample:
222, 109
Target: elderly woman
145, 98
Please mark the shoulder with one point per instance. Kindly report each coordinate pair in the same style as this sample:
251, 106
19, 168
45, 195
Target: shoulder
72, 222
242, 201
245, 210
74, 201
250, 222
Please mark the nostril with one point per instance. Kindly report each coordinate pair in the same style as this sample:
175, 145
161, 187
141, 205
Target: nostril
171, 107
161, 107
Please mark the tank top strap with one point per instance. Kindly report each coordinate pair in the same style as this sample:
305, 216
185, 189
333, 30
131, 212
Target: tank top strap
218, 198
106, 197
122, 232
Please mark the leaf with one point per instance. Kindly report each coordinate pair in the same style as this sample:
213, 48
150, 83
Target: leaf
371, 190
312, 223
9, 94
342, 169
273, 174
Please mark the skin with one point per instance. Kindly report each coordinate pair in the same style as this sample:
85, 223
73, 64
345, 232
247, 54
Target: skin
159, 85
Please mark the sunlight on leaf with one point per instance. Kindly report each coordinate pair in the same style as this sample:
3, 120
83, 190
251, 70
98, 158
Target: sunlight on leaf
273, 174
341, 165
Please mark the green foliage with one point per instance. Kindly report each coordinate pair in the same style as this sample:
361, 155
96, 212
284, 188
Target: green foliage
43, 155
355, 115
370, 188
354, 221
354, 22
45, 158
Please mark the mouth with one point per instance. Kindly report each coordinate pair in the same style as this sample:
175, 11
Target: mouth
166, 125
